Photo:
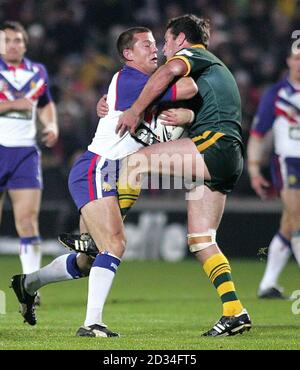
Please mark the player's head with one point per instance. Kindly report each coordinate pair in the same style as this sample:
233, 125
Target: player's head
185, 31
137, 48
293, 62
16, 40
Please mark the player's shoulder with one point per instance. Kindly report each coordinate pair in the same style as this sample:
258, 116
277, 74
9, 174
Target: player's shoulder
198, 54
274, 88
271, 92
130, 72
131, 78
189, 51
35, 66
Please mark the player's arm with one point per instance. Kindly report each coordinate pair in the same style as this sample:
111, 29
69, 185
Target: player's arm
185, 88
48, 117
102, 107
255, 154
262, 124
155, 86
22, 104
176, 117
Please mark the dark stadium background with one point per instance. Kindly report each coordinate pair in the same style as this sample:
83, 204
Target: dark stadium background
75, 39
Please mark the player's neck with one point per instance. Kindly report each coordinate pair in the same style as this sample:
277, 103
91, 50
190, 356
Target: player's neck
13, 63
294, 81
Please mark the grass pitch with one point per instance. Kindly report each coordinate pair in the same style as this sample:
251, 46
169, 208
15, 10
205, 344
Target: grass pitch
155, 305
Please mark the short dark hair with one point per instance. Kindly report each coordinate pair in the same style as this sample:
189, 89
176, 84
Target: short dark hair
196, 30
17, 27
126, 40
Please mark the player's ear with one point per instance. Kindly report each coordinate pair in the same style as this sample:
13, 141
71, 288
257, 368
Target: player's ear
181, 38
127, 53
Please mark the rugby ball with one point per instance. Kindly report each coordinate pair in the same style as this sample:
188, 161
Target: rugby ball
165, 133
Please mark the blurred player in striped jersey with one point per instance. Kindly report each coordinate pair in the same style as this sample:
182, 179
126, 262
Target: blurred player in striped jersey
24, 95
279, 112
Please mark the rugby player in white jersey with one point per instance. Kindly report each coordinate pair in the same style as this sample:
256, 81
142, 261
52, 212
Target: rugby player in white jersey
24, 95
93, 183
279, 112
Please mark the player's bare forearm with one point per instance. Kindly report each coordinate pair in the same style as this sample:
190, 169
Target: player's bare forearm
5, 106
22, 104
255, 151
255, 155
155, 86
48, 118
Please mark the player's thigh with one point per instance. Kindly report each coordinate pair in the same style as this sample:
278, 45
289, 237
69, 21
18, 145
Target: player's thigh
25, 203
205, 209
178, 158
103, 220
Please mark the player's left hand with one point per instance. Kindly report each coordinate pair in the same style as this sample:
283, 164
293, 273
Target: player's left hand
128, 121
50, 135
176, 117
102, 107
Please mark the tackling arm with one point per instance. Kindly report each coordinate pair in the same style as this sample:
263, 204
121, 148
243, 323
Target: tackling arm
155, 86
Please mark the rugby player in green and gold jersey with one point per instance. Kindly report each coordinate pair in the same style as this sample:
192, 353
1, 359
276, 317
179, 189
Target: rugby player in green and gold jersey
215, 133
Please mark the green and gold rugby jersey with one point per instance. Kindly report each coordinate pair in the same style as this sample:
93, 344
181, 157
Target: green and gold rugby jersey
219, 105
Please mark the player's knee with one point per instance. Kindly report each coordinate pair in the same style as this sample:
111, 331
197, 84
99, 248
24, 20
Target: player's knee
116, 243
26, 224
199, 241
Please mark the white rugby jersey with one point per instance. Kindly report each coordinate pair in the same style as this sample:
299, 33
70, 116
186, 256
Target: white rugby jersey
279, 111
29, 79
124, 89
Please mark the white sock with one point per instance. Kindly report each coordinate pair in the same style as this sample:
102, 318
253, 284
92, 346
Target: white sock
61, 269
30, 254
296, 245
278, 255
100, 281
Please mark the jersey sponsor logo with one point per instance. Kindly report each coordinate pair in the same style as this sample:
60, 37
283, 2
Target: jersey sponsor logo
292, 180
114, 266
106, 186
25, 115
32, 85
294, 133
